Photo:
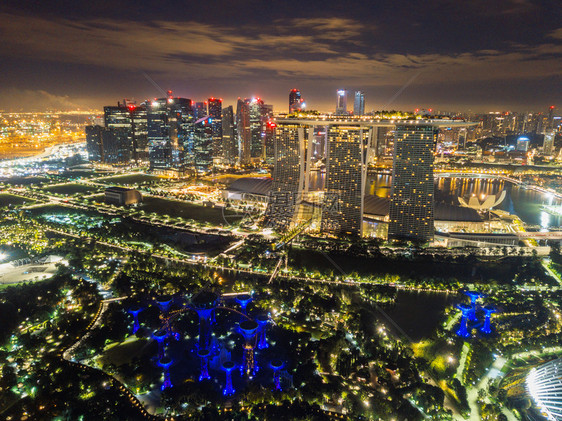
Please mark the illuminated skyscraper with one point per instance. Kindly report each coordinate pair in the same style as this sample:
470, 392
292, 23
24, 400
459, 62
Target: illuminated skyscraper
359, 103
252, 116
117, 138
295, 151
288, 173
243, 130
341, 102
126, 119
268, 132
202, 143
139, 121
550, 118
342, 212
350, 143
215, 115
412, 197
199, 110
548, 143
94, 144
257, 144
294, 99
170, 134
229, 140
117, 147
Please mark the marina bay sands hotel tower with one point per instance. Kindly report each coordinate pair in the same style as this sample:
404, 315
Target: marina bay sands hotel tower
321, 168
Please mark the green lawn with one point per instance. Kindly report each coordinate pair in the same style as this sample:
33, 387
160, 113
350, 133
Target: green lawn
189, 211
71, 189
127, 180
123, 353
25, 181
7, 199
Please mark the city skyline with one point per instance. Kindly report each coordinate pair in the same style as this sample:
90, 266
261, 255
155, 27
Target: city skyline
481, 57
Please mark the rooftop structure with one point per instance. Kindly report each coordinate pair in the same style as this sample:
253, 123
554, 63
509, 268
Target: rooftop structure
491, 201
544, 384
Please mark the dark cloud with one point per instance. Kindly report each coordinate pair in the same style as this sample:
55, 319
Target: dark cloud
93, 51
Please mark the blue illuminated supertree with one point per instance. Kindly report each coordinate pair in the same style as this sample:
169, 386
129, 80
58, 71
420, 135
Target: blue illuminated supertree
276, 365
486, 328
165, 363
243, 300
135, 312
466, 309
164, 302
248, 329
160, 337
262, 321
228, 367
473, 295
204, 355
204, 304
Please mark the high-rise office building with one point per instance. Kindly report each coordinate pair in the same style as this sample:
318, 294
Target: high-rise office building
550, 118
359, 103
296, 102
345, 145
294, 99
257, 145
268, 132
94, 145
229, 139
203, 143
412, 196
522, 144
123, 137
461, 142
288, 174
117, 147
548, 143
215, 119
341, 102
252, 116
298, 144
139, 122
200, 110
243, 130
129, 117
170, 134
342, 210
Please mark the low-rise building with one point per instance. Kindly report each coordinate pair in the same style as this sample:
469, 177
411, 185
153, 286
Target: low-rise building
122, 196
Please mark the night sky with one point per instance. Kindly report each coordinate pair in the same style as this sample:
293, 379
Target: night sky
479, 55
